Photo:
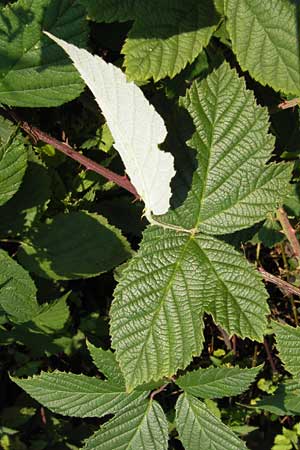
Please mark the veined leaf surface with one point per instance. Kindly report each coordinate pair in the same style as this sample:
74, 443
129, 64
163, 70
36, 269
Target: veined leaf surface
232, 187
78, 395
265, 37
199, 429
135, 125
288, 345
142, 427
156, 324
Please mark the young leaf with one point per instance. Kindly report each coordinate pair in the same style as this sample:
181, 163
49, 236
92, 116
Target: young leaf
198, 428
136, 127
13, 162
74, 245
156, 324
265, 38
232, 187
17, 290
34, 72
217, 382
288, 345
106, 363
78, 395
142, 427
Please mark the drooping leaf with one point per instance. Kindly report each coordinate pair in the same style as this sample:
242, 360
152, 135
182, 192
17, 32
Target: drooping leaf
74, 245
17, 290
156, 324
79, 395
106, 363
217, 382
13, 161
265, 38
142, 427
232, 187
288, 345
28, 203
136, 127
198, 428
166, 34
33, 71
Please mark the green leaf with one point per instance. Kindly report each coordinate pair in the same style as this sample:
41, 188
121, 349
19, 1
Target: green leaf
284, 402
198, 428
74, 245
156, 324
167, 36
106, 363
232, 187
34, 72
17, 290
288, 345
217, 382
13, 161
143, 427
265, 38
28, 203
53, 316
78, 395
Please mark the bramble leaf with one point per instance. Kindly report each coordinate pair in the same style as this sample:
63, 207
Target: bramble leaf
265, 38
74, 245
217, 382
17, 290
199, 428
156, 324
165, 37
79, 395
33, 71
13, 161
232, 187
288, 345
142, 427
106, 363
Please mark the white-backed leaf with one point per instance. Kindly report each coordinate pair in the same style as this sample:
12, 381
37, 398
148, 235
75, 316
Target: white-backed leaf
217, 382
78, 395
199, 429
136, 127
142, 427
265, 37
156, 323
288, 345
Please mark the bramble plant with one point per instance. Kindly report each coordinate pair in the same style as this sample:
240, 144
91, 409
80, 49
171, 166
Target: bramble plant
137, 231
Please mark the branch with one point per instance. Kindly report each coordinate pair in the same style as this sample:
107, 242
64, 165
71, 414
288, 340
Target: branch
285, 105
284, 285
289, 231
39, 135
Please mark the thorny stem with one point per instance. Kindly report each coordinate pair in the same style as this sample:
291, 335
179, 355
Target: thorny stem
284, 285
39, 135
289, 231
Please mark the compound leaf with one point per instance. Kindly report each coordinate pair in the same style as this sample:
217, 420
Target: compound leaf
265, 38
74, 245
142, 427
232, 187
34, 72
17, 290
78, 395
288, 345
217, 382
136, 127
198, 428
156, 322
